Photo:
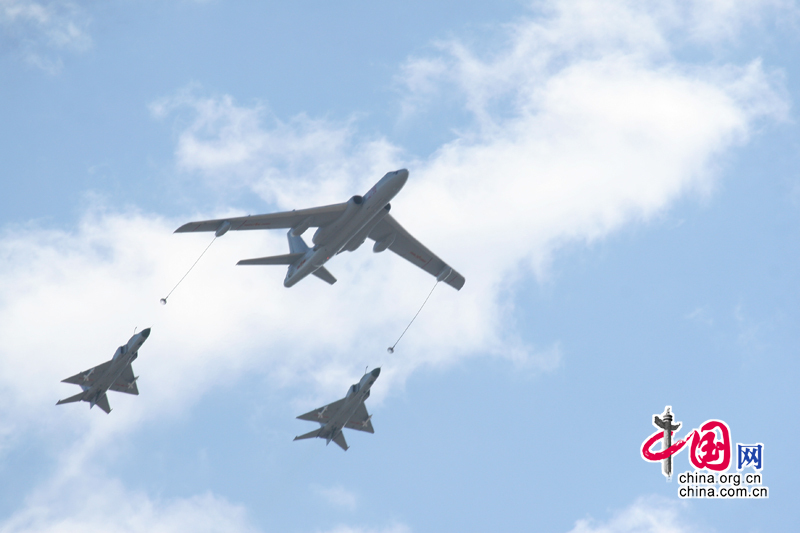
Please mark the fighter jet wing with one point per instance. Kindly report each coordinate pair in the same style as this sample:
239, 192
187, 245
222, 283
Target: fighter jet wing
88, 377
324, 413
319, 216
126, 382
410, 249
361, 420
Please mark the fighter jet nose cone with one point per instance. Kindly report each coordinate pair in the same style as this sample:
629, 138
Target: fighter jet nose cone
146, 333
375, 373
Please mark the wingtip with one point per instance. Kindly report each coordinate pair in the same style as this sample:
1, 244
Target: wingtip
186, 228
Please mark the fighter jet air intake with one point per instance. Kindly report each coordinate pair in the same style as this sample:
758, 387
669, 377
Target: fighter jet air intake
349, 412
116, 375
340, 227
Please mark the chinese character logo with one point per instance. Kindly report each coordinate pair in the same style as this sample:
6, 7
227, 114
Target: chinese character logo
707, 451
749, 455
664, 422
710, 444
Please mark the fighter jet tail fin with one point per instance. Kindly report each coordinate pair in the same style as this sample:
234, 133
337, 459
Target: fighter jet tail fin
102, 403
339, 439
309, 435
286, 259
78, 397
325, 275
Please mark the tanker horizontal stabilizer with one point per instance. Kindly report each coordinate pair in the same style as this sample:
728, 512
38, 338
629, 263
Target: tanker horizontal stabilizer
286, 259
323, 274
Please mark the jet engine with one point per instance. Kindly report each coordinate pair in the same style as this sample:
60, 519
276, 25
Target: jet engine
359, 238
384, 243
324, 233
302, 227
223, 229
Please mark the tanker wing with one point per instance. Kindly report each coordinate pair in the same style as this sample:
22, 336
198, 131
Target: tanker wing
389, 233
312, 217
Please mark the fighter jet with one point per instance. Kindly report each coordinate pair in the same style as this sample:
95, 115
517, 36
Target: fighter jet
116, 375
349, 412
341, 227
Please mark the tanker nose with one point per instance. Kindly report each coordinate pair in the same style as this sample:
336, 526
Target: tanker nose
375, 373
402, 174
146, 333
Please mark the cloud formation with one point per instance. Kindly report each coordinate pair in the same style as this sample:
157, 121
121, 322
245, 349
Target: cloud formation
337, 496
39, 31
606, 135
106, 505
645, 515
580, 124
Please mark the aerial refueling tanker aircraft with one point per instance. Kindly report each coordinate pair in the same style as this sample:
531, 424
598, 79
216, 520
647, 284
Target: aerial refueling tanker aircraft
349, 412
340, 227
116, 375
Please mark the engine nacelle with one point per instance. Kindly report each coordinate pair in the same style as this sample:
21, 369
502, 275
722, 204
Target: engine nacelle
301, 227
384, 243
223, 228
323, 233
359, 238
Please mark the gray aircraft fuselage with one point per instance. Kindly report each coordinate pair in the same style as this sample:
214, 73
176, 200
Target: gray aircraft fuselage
334, 239
123, 357
356, 395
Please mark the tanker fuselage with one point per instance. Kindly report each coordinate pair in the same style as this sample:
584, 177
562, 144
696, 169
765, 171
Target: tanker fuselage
361, 213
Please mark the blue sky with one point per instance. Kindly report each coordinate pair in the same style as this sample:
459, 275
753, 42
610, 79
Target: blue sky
617, 181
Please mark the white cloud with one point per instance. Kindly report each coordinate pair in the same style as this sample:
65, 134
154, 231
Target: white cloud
287, 162
752, 336
701, 316
338, 496
606, 139
95, 504
40, 30
646, 515
394, 528
568, 34
721, 21
599, 128
68, 299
